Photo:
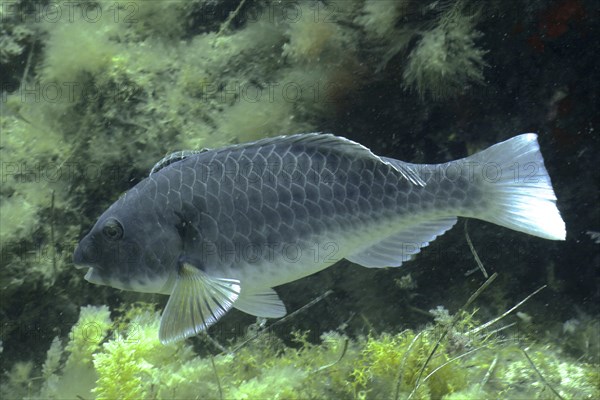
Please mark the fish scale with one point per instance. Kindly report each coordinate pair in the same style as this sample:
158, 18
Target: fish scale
217, 229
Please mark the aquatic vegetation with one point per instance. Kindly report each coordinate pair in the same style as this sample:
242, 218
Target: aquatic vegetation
63, 59
446, 58
77, 375
314, 37
379, 17
124, 359
34, 195
30, 174
581, 336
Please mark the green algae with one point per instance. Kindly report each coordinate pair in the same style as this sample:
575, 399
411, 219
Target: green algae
124, 359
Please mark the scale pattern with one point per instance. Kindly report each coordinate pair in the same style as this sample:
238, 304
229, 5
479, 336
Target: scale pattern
266, 195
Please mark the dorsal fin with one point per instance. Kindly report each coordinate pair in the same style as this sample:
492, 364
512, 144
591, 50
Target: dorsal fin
338, 143
173, 158
406, 170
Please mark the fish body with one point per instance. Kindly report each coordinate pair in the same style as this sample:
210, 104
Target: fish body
217, 229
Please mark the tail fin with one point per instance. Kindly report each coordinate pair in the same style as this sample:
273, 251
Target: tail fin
518, 188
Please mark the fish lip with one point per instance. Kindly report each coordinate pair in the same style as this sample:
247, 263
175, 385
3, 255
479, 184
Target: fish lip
87, 265
90, 270
82, 266
92, 276
88, 274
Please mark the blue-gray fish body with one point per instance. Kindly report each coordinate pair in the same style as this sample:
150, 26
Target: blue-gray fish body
217, 229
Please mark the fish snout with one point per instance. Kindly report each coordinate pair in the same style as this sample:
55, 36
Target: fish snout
78, 259
87, 255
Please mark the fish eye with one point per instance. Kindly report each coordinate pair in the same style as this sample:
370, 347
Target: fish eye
112, 230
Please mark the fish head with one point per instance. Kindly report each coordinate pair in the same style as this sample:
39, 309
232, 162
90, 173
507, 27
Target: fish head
131, 247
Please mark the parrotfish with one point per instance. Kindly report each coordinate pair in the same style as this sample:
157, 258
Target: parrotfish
218, 229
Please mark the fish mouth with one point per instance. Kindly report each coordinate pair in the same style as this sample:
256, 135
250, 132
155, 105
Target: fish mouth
92, 276
89, 274
92, 272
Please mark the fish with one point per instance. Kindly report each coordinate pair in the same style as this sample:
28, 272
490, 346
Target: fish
217, 229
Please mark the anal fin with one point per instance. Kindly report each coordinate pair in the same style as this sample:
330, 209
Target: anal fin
399, 247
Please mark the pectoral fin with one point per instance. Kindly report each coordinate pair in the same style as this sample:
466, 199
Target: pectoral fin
265, 304
197, 302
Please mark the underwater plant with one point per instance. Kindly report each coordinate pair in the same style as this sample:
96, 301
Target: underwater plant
446, 60
453, 357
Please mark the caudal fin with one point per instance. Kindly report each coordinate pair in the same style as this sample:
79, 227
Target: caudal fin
518, 189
